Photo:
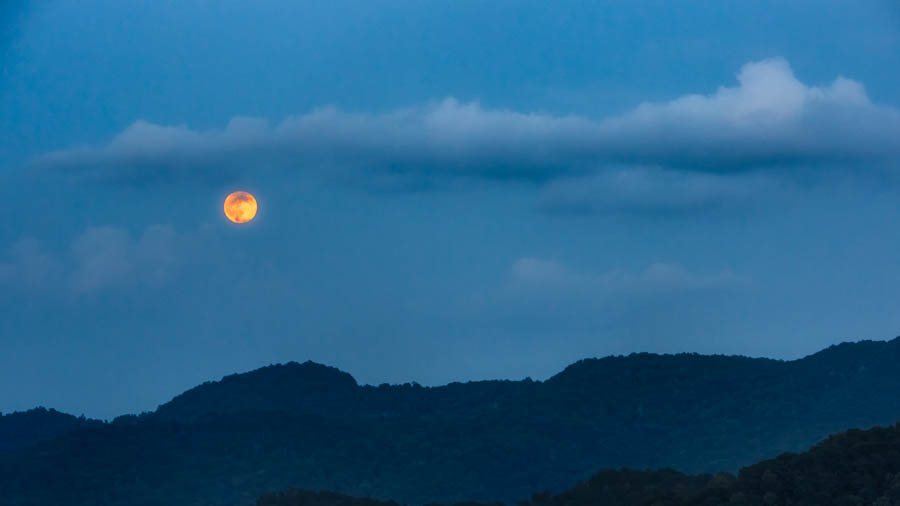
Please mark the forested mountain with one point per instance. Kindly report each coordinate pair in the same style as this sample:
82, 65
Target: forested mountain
295, 497
313, 427
852, 468
25, 428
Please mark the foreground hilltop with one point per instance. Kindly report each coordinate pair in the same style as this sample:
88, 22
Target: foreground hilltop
25, 428
858, 467
853, 468
313, 427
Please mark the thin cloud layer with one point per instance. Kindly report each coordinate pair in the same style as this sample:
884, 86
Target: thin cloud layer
770, 117
99, 260
653, 189
28, 268
549, 276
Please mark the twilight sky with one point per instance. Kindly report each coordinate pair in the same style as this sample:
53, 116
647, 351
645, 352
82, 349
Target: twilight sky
448, 190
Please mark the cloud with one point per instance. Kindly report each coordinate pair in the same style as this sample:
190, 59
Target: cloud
654, 189
29, 268
106, 258
550, 276
769, 119
100, 260
648, 303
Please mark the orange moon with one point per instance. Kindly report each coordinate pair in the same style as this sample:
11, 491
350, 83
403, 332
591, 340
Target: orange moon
240, 207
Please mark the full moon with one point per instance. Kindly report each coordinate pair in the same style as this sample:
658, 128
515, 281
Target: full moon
240, 207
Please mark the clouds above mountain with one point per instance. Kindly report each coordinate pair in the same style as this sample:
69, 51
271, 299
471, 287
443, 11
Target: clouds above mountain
769, 118
99, 260
547, 275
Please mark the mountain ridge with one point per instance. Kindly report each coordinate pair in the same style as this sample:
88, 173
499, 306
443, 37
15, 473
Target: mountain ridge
313, 426
21, 429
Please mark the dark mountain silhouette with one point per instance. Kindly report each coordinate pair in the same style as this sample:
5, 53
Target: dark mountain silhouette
312, 427
853, 468
294, 497
25, 428
298, 388
858, 467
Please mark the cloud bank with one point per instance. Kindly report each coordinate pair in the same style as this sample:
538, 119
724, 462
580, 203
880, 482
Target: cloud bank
769, 118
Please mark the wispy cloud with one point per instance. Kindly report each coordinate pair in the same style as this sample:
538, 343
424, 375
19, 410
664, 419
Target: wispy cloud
28, 268
634, 188
99, 260
557, 297
551, 276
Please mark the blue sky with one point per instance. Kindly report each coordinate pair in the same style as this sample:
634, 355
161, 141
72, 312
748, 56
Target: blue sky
448, 190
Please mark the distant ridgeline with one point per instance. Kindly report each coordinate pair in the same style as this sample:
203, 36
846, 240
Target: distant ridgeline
23, 429
853, 468
309, 426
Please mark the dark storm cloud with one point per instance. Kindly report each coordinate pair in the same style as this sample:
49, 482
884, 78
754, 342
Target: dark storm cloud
769, 118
